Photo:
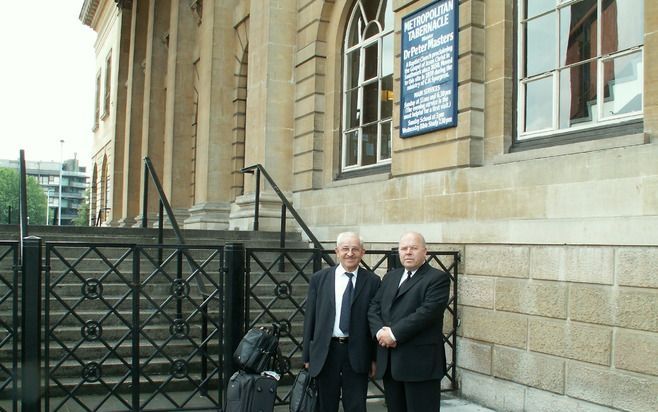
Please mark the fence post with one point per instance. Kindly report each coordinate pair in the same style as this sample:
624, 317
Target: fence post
393, 260
234, 310
31, 325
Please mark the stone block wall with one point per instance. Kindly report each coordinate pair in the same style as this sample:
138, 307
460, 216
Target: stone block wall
546, 328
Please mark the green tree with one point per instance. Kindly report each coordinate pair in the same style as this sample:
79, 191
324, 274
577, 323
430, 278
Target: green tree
9, 197
82, 219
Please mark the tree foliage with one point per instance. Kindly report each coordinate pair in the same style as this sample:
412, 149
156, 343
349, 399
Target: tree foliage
10, 197
82, 219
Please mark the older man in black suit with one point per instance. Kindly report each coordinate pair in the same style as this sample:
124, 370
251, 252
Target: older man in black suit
406, 317
338, 347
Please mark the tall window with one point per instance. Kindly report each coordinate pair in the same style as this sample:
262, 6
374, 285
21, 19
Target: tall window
97, 104
108, 85
367, 85
580, 64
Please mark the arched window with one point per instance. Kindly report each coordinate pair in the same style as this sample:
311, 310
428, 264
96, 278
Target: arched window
367, 85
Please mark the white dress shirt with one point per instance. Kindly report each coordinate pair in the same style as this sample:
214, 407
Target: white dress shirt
341, 284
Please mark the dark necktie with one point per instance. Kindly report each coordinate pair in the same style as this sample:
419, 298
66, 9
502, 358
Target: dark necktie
406, 277
346, 306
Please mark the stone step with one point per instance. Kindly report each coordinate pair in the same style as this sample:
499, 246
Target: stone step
116, 234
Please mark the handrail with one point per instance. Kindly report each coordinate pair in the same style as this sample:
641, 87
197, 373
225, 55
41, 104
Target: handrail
149, 170
22, 207
259, 169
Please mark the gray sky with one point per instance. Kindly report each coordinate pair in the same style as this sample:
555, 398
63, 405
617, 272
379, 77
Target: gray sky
47, 80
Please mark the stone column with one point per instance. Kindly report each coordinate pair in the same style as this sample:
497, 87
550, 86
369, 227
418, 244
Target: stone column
179, 138
122, 63
154, 66
215, 86
128, 141
270, 108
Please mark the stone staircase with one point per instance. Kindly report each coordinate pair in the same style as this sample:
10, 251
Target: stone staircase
91, 305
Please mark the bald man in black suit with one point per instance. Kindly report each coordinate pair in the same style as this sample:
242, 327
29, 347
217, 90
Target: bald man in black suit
406, 317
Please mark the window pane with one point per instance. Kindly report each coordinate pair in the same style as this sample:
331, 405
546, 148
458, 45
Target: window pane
387, 97
351, 109
577, 95
370, 7
538, 105
352, 69
369, 149
386, 140
622, 24
370, 103
371, 31
535, 7
578, 32
371, 62
622, 85
354, 35
540, 45
387, 55
387, 20
351, 148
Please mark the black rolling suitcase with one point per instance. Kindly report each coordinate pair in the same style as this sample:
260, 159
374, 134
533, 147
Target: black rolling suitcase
250, 392
253, 388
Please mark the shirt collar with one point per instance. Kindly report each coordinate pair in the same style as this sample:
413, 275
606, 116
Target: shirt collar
340, 270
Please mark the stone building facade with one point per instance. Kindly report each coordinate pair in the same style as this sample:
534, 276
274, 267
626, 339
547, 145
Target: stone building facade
548, 183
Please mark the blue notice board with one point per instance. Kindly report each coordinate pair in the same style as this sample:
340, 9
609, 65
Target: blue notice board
428, 86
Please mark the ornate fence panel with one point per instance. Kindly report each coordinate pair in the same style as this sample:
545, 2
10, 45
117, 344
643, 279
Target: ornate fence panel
9, 352
276, 288
132, 327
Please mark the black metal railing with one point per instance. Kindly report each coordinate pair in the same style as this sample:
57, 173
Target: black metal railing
126, 330
164, 206
259, 170
277, 284
9, 323
22, 207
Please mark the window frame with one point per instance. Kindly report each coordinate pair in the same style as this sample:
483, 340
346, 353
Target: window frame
377, 40
107, 87
97, 103
625, 122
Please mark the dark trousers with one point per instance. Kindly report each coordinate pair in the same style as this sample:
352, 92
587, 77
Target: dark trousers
424, 396
336, 377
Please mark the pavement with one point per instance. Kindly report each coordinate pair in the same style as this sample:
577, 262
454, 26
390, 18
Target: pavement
449, 403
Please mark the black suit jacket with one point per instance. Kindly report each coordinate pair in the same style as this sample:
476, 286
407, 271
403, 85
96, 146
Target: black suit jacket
415, 315
320, 315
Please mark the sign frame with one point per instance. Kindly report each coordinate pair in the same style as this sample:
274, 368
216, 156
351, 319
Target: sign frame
427, 34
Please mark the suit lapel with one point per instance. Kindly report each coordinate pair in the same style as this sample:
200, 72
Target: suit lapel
358, 287
395, 281
331, 289
409, 283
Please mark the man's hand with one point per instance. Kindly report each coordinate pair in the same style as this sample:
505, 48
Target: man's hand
305, 365
385, 338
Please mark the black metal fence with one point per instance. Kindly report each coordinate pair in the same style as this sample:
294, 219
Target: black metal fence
277, 282
133, 327
9, 354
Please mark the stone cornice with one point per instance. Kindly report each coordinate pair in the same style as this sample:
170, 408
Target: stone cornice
88, 11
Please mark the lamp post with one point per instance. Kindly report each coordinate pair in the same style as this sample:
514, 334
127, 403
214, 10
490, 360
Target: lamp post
47, 206
61, 166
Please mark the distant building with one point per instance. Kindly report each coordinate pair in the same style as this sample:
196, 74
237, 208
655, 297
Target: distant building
74, 183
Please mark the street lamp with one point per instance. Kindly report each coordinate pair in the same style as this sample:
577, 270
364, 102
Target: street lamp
47, 206
61, 166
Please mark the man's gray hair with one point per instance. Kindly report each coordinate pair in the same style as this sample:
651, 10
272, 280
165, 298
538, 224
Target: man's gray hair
342, 236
